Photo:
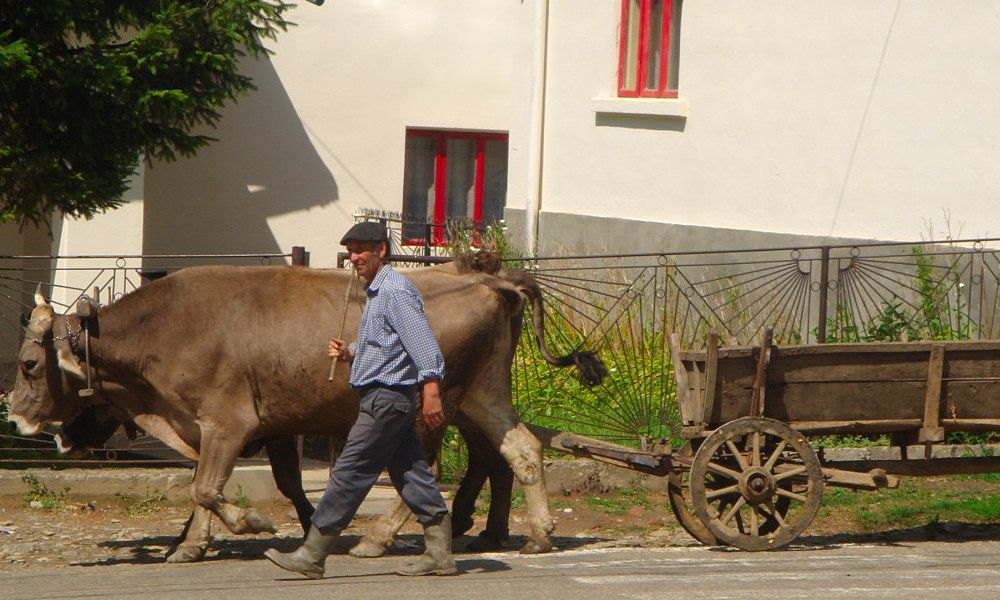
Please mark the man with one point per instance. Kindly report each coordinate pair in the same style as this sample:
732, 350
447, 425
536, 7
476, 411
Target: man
394, 355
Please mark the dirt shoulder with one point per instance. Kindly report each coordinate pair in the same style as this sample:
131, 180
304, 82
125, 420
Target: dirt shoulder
107, 530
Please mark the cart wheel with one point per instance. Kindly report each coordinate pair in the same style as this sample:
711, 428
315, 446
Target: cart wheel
679, 495
756, 484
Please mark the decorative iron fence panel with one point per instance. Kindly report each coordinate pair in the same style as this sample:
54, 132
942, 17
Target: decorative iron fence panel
626, 306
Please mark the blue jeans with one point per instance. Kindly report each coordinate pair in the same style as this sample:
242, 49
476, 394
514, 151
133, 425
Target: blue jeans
383, 437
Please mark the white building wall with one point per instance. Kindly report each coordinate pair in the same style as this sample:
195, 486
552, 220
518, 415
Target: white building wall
856, 119
325, 134
859, 118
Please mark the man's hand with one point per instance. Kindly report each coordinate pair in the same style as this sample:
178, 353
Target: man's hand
432, 412
339, 350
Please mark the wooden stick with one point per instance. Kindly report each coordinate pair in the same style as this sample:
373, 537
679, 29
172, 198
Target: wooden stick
343, 319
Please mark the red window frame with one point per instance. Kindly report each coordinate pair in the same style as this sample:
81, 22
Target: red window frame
660, 90
441, 138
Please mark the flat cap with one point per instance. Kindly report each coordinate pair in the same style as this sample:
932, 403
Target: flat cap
366, 231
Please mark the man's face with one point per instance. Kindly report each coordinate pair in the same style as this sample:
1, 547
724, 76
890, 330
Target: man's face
367, 258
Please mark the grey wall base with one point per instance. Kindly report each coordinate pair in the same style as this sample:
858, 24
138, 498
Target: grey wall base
562, 234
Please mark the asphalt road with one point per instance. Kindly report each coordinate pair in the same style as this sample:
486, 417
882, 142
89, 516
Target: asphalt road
910, 570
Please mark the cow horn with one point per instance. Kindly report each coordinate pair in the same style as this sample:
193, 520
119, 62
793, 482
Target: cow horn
69, 363
39, 297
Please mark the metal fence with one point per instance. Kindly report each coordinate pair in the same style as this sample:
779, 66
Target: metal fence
626, 306
64, 280
817, 294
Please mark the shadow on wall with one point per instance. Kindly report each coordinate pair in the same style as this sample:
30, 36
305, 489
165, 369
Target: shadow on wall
262, 165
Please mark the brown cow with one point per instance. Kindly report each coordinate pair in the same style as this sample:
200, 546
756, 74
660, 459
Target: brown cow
212, 358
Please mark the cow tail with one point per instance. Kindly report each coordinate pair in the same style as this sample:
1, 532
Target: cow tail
591, 370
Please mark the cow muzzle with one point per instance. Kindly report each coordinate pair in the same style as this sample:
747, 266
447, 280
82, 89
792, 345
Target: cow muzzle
24, 427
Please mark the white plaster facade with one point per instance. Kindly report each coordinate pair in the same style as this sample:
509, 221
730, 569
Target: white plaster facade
849, 119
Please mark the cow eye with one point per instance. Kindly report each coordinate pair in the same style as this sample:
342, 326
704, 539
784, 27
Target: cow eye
29, 365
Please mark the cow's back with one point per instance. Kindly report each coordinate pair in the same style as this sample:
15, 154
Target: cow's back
258, 336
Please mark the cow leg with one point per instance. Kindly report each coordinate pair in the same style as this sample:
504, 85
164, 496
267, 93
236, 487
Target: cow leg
283, 454
501, 479
464, 503
183, 536
523, 452
219, 451
484, 463
381, 535
194, 539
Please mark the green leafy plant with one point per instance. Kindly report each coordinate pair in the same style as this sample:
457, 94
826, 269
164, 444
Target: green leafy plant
240, 498
147, 503
40, 496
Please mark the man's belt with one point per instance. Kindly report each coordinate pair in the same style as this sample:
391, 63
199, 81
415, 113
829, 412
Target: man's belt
407, 390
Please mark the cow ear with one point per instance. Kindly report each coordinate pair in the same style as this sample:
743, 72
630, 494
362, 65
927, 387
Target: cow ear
40, 297
68, 362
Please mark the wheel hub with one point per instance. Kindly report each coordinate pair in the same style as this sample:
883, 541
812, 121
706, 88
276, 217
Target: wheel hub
757, 485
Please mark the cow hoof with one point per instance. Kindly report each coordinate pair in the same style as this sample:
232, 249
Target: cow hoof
256, 523
485, 543
459, 527
537, 547
187, 553
367, 549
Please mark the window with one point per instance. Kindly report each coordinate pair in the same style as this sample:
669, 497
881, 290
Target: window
449, 174
648, 48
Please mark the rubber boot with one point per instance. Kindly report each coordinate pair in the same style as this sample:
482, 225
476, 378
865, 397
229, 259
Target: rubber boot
436, 559
310, 558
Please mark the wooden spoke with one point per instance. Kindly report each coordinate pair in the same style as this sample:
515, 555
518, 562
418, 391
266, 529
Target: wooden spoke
734, 510
791, 473
737, 454
773, 459
733, 489
792, 495
725, 472
776, 515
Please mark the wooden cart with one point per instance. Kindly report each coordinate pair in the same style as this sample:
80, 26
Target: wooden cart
748, 476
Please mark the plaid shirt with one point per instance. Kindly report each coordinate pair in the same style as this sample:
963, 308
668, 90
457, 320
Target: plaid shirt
395, 344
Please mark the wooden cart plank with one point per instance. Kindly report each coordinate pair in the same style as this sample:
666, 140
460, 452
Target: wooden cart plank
932, 430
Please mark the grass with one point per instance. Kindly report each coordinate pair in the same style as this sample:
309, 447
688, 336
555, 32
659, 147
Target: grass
917, 503
620, 500
141, 504
41, 497
517, 501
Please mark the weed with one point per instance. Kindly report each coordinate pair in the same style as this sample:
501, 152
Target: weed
612, 506
240, 498
517, 500
41, 497
849, 441
839, 497
144, 504
558, 504
621, 500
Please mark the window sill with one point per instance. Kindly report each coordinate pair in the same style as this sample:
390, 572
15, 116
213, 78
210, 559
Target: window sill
676, 108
